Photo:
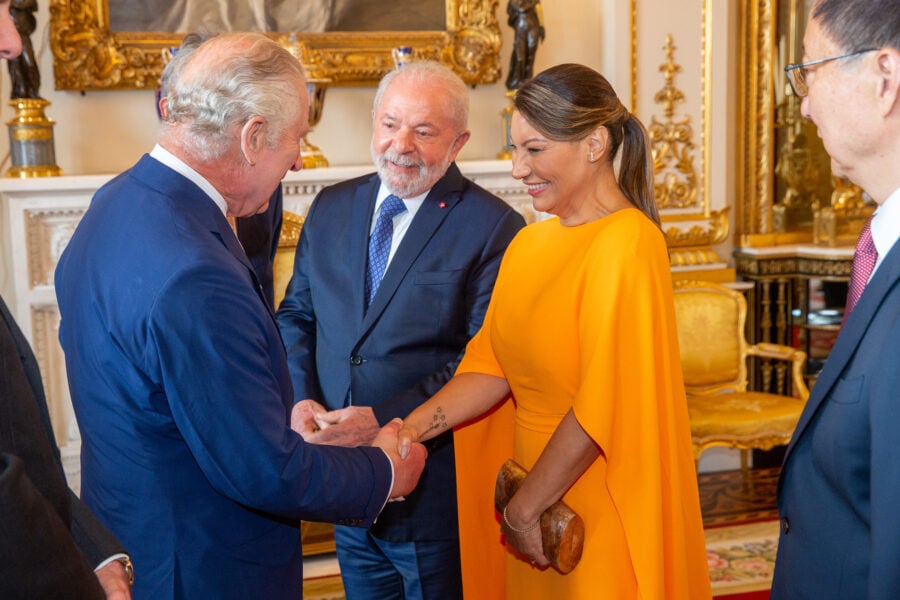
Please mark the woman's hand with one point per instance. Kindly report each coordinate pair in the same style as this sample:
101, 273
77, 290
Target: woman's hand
405, 438
524, 535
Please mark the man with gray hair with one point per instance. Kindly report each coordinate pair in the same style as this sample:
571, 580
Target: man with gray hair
178, 376
392, 277
840, 482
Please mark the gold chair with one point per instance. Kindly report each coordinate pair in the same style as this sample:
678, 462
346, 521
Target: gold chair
283, 266
714, 352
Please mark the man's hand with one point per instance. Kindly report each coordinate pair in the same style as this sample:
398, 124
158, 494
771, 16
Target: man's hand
406, 470
303, 418
114, 581
350, 427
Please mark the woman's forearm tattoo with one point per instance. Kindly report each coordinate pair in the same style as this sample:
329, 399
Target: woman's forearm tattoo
438, 419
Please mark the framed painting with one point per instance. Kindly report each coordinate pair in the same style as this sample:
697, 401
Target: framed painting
120, 44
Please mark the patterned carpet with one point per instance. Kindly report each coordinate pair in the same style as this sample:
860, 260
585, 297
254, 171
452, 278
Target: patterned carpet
741, 524
741, 557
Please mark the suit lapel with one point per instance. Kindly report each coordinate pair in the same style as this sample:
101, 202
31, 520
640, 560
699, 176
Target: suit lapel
877, 290
440, 201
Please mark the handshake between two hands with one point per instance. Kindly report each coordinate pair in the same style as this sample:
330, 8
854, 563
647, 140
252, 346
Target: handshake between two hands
357, 426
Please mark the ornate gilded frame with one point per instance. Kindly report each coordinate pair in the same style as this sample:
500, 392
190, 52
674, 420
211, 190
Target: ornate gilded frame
756, 117
761, 24
88, 56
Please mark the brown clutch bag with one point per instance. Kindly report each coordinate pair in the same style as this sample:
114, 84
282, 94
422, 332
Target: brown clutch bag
562, 530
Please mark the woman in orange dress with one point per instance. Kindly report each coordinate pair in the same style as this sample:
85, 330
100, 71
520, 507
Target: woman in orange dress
581, 332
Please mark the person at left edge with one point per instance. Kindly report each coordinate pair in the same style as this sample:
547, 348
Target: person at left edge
178, 375
50, 543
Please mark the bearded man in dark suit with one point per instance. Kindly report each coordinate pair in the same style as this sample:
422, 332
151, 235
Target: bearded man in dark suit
378, 350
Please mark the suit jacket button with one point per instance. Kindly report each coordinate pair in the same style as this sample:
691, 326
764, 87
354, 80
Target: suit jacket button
356, 360
785, 525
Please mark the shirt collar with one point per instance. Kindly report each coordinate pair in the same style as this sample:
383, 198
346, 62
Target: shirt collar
885, 225
181, 167
412, 204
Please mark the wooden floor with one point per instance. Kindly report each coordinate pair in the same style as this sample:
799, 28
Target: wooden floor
738, 497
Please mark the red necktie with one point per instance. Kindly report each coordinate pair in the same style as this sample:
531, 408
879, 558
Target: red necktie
863, 265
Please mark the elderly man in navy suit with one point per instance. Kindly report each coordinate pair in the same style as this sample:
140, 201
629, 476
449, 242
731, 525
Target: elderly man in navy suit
392, 277
840, 483
178, 375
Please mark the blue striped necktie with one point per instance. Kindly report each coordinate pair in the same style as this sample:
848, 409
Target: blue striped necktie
380, 244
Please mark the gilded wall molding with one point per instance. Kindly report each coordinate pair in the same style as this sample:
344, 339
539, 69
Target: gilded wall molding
692, 245
634, 55
672, 142
756, 52
88, 56
682, 187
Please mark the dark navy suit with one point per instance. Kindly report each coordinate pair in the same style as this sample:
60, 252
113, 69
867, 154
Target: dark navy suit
180, 385
400, 351
839, 490
49, 541
259, 236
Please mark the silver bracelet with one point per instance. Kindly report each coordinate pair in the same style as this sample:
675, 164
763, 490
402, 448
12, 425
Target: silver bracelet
527, 529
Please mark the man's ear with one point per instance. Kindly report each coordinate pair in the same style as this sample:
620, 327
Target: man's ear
253, 139
888, 64
458, 144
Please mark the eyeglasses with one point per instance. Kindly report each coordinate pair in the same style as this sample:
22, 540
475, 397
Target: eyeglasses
796, 73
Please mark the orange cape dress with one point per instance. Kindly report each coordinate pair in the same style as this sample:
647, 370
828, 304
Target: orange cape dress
582, 318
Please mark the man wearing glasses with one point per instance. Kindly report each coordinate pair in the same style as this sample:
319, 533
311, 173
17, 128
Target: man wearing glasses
840, 482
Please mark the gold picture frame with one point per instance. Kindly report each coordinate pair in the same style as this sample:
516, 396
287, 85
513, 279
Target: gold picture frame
88, 56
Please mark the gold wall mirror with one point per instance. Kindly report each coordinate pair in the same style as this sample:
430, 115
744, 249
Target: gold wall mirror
90, 53
786, 190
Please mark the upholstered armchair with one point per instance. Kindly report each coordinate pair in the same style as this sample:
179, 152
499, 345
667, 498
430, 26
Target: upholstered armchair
284, 256
714, 352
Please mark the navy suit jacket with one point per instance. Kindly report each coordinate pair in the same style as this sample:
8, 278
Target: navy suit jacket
401, 351
840, 483
259, 235
180, 385
49, 541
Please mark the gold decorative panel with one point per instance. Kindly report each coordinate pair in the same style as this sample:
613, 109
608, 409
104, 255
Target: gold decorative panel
681, 172
87, 55
672, 143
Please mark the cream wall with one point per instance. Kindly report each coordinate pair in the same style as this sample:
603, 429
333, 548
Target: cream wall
107, 131
104, 132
